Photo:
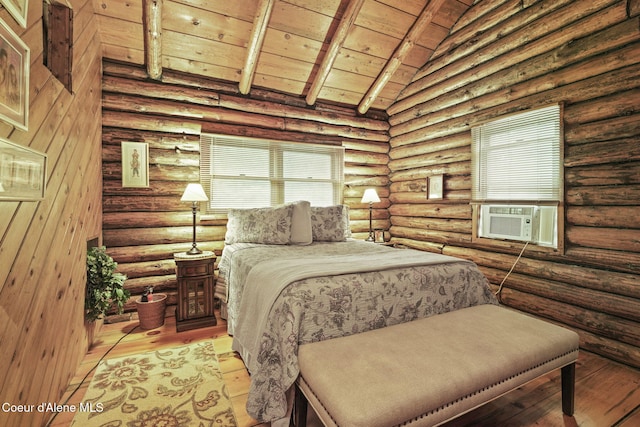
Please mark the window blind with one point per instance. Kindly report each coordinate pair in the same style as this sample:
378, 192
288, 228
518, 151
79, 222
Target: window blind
239, 172
518, 158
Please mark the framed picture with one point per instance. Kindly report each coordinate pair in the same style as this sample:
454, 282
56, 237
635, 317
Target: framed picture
14, 78
17, 9
436, 187
23, 172
135, 164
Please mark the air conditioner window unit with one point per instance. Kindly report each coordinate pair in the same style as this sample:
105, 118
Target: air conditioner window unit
511, 222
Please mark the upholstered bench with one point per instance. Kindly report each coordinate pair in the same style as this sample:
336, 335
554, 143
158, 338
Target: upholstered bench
428, 371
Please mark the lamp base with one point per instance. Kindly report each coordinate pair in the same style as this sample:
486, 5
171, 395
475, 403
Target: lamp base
194, 251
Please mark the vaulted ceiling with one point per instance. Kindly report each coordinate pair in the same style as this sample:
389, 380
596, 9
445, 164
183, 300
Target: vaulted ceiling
361, 53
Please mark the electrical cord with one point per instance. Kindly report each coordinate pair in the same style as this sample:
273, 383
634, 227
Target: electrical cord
91, 370
498, 292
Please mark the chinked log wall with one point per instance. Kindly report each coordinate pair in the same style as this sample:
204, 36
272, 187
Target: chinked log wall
504, 56
144, 227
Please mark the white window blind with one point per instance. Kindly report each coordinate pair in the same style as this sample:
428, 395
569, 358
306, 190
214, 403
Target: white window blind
517, 158
239, 172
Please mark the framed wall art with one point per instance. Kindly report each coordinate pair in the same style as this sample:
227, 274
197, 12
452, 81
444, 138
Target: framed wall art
135, 164
436, 187
23, 172
17, 9
14, 78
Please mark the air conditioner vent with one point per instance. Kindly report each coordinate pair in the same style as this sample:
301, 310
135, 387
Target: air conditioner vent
526, 223
509, 222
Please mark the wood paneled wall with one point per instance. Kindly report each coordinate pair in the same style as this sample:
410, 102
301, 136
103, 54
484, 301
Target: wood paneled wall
144, 227
504, 56
43, 244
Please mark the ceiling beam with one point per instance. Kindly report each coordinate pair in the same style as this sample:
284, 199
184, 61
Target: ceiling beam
348, 18
400, 54
255, 44
153, 37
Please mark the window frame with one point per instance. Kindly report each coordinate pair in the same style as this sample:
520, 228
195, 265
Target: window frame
557, 202
276, 150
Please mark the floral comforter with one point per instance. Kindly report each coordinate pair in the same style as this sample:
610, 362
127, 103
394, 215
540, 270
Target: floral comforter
324, 307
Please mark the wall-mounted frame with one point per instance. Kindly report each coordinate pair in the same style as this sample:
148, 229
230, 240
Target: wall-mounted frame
23, 172
17, 9
135, 164
436, 187
14, 78
379, 235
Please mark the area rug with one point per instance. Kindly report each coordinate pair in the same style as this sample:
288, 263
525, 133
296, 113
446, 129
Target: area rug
180, 386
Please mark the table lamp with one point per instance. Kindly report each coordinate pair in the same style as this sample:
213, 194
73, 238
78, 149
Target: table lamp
370, 196
194, 193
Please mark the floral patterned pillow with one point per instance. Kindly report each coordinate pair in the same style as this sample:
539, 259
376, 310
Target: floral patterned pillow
271, 226
330, 223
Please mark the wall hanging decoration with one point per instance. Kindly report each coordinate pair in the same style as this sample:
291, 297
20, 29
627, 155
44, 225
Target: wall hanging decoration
135, 164
436, 187
17, 9
14, 78
23, 172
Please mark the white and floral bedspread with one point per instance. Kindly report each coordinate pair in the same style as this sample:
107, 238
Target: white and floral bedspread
325, 307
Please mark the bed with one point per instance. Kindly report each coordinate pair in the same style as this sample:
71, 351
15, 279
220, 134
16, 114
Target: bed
287, 282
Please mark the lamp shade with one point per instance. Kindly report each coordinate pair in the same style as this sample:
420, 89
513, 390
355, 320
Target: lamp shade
194, 193
370, 196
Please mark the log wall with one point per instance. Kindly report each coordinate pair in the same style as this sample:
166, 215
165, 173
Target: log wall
504, 56
43, 243
144, 227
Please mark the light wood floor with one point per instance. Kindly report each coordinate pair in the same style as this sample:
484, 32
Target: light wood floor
607, 393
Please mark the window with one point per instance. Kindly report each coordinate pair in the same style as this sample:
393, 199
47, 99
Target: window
239, 172
517, 176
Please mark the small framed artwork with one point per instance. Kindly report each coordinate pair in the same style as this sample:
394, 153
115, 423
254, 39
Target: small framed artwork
135, 164
436, 187
14, 78
17, 9
23, 172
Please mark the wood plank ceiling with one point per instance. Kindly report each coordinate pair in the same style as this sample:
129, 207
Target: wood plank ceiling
359, 53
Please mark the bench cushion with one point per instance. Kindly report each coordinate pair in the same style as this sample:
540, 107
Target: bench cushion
430, 370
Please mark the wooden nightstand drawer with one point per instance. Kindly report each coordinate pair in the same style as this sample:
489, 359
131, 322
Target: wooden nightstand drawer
195, 268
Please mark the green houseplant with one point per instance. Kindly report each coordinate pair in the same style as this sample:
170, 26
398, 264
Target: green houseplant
105, 287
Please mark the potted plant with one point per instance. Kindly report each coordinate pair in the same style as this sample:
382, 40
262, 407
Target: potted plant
105, 287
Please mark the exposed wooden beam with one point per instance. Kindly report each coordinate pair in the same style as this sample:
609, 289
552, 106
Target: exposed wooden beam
255, 44
400, 54
337, 41
153, 37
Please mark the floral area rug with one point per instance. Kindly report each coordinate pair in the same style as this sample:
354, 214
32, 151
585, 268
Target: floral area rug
175, 387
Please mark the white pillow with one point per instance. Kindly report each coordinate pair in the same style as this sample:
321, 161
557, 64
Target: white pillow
301, 233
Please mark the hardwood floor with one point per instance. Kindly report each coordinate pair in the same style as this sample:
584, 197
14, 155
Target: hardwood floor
607, 393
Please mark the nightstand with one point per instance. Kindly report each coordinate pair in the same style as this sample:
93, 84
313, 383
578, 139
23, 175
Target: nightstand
195, 290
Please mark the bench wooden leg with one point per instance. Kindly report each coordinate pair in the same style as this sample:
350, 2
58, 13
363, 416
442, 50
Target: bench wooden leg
568, 374
299, 409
